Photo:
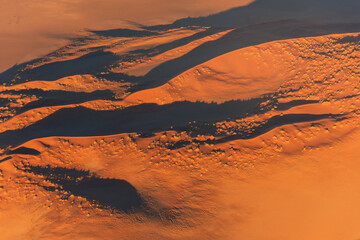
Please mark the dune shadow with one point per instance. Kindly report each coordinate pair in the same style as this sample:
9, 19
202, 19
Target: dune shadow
81, 121
262, 128
121, 32
278, 121
179, 42
91, 63
59, 97
5, 159
349, 39
146, 119
4, 101
25, 150
261, 11
107, 192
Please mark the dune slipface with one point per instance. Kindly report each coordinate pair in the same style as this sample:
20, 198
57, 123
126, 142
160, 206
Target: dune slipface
239, 125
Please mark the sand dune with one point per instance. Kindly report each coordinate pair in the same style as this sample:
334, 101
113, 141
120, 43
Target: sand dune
187, 132
173, 157
50, 24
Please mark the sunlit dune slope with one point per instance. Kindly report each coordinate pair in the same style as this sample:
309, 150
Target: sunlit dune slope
246, 73
242, 74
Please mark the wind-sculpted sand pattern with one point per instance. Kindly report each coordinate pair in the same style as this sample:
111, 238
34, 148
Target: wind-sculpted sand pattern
194, 132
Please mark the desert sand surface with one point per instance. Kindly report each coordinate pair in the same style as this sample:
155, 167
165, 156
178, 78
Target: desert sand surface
32, 28
189, 130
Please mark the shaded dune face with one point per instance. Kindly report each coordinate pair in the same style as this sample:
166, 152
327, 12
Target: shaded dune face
208, 128
25, 150
146, 117
277, 10
113, 193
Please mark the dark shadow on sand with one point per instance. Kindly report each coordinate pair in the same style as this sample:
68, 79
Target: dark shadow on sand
110, 193
121, 32
91, 63
148, 118
24, 150
261, 11
80, 121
